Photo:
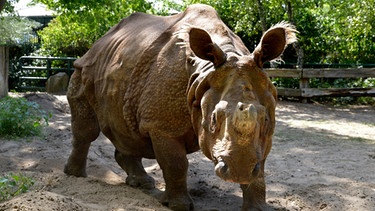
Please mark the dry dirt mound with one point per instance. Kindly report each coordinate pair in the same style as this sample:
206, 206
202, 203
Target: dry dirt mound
41, 199
323, 158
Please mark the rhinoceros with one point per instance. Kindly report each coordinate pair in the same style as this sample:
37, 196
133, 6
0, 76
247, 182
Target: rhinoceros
162, 87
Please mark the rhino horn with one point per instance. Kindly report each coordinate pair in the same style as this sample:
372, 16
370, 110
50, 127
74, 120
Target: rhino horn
245, 117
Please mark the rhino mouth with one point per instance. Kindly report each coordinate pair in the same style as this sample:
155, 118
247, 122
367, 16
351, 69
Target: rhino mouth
225, 172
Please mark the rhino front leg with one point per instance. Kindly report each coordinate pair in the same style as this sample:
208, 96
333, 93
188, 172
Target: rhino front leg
254, 194
171, 156
137, 176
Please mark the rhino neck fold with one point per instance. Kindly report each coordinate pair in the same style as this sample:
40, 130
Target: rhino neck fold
196, 82
198, 85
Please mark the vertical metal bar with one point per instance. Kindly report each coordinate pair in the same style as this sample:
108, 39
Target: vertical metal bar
49, 71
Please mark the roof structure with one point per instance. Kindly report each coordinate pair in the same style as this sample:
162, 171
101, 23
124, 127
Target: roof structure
36, 12
24, 9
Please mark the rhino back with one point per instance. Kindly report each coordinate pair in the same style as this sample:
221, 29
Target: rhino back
134, 78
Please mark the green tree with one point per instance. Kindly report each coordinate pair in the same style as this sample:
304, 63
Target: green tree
80, 23
248, 19
7, 6
2, 4
14, 30
331, 31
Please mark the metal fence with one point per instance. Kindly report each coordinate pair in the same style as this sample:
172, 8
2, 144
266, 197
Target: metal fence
34, 71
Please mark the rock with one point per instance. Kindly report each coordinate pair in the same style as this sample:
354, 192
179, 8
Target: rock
58, 83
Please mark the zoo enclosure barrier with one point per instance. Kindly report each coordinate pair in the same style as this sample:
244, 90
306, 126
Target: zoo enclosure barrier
34, 71
305, 74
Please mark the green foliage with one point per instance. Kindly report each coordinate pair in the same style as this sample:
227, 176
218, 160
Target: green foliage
338, 37
9, 7
17, 30
330, 31
19, 117
344, 83
14, 184
16, 51
80, 23
167, 7
286, 82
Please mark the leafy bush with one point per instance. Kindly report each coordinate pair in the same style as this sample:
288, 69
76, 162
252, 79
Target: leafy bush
14, 184
19, 117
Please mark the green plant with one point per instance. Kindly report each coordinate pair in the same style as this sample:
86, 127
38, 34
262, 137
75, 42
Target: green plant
19, 117
14, 184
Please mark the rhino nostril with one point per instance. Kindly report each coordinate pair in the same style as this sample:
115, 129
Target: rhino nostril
221, 168
240, 106
256, 170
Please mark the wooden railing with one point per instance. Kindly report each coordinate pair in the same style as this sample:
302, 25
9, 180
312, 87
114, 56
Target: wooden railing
304, 75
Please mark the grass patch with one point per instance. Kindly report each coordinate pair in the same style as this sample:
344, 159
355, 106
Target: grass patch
21, 118
14, 184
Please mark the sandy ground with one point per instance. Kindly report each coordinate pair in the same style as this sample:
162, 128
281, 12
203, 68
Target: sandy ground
323, 158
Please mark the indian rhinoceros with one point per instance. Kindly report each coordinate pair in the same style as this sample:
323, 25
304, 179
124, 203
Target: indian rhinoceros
162, 87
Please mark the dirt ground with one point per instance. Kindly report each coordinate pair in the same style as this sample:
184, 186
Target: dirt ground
323, 158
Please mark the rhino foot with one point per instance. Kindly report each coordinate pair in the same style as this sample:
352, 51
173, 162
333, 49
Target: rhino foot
144, 182
181, 207
77, 171
184, 203
258, 207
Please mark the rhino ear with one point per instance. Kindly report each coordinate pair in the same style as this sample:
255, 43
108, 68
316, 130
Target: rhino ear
273, 42
204, 48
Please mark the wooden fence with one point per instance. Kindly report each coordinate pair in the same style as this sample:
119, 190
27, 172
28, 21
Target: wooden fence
306, 74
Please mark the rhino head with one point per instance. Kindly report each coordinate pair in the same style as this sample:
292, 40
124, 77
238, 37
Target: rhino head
232, 102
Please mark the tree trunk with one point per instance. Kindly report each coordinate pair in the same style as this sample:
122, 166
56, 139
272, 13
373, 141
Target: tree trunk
4, 71
296, 46
2, 4
261, 15
289, 11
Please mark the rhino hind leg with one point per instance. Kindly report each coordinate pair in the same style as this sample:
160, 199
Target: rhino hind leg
85, 129
137, 176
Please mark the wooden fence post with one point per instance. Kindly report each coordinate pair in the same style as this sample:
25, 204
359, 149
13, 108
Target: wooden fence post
4, 71
303, 83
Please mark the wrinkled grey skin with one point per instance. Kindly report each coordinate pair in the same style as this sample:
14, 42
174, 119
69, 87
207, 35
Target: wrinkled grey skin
162, 87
